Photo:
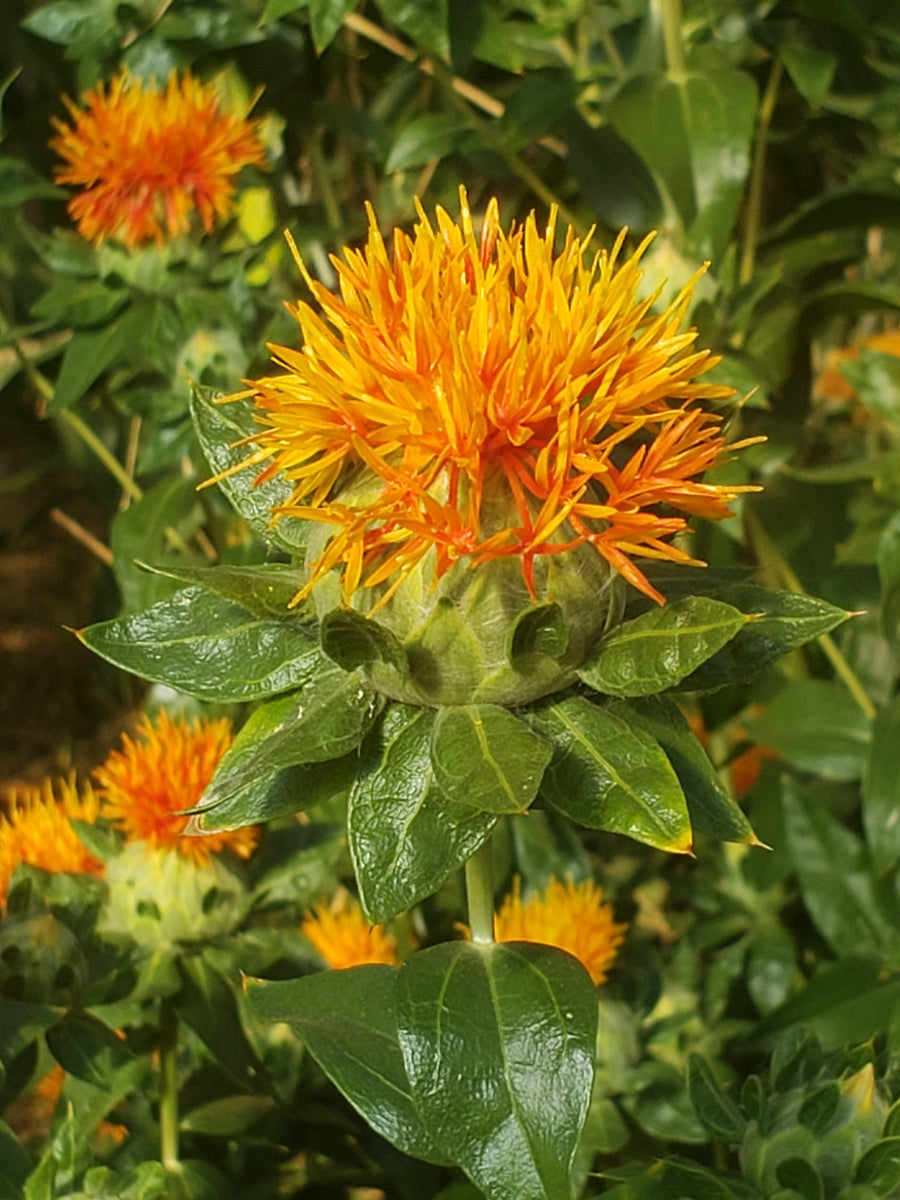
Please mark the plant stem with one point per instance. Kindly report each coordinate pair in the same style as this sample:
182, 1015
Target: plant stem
769, 552
670, 17
108, 459
753, 217
168, 1099
480, 893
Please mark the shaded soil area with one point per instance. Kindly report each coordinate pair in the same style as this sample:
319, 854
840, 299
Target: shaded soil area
60, 707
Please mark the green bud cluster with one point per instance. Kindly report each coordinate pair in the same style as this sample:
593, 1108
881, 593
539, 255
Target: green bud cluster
822, 1127
481, 636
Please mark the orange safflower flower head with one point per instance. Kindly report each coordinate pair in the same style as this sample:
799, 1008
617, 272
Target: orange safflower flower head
487, 401
344, 938
147, 158
145, 786
570, 916
38, 830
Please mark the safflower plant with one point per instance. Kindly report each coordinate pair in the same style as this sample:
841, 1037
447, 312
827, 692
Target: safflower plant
476, 477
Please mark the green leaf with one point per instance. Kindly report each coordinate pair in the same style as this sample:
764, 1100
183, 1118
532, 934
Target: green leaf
19, 182
325, 17
607, 775
79, 302
70, 21
227, 1116
406, 837
613, 180
694, 132
784, 622
852, 910
353, 640
269, 795
219, 427
816, 726
889, 577
15, 1165
425, 21
881, 790
710, 807
208, 647
91, 351
424, 139
879, 1167
264, 589
498, 1043
811, 69
716, 1110
819, 1108
325, 719
802, 1176
843, 1002
90, 1050
347, 1020
158, 525
484, 756
539, 630
660, 648
208, 1004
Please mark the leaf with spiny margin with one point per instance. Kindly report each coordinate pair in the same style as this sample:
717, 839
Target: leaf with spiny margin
265, 589
606, 775
784, 621
209, 647
352, 641
498, 1042
219, 427
658, 649
406, 838
486, 757
711, 809
347, 1021
325, 719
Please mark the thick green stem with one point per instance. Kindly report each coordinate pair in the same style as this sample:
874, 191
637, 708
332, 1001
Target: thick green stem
670, 18
480, 893
168, 1099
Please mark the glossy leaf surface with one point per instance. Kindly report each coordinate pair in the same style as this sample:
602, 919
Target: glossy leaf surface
784, 621
347, 1020
484, 756
712, 810
265, 590
660, 648
325, 719
220, 427
405, 836
209, 647
607, 775
498, 1043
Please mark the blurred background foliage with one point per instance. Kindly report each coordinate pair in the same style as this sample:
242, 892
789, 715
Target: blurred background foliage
761, 136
